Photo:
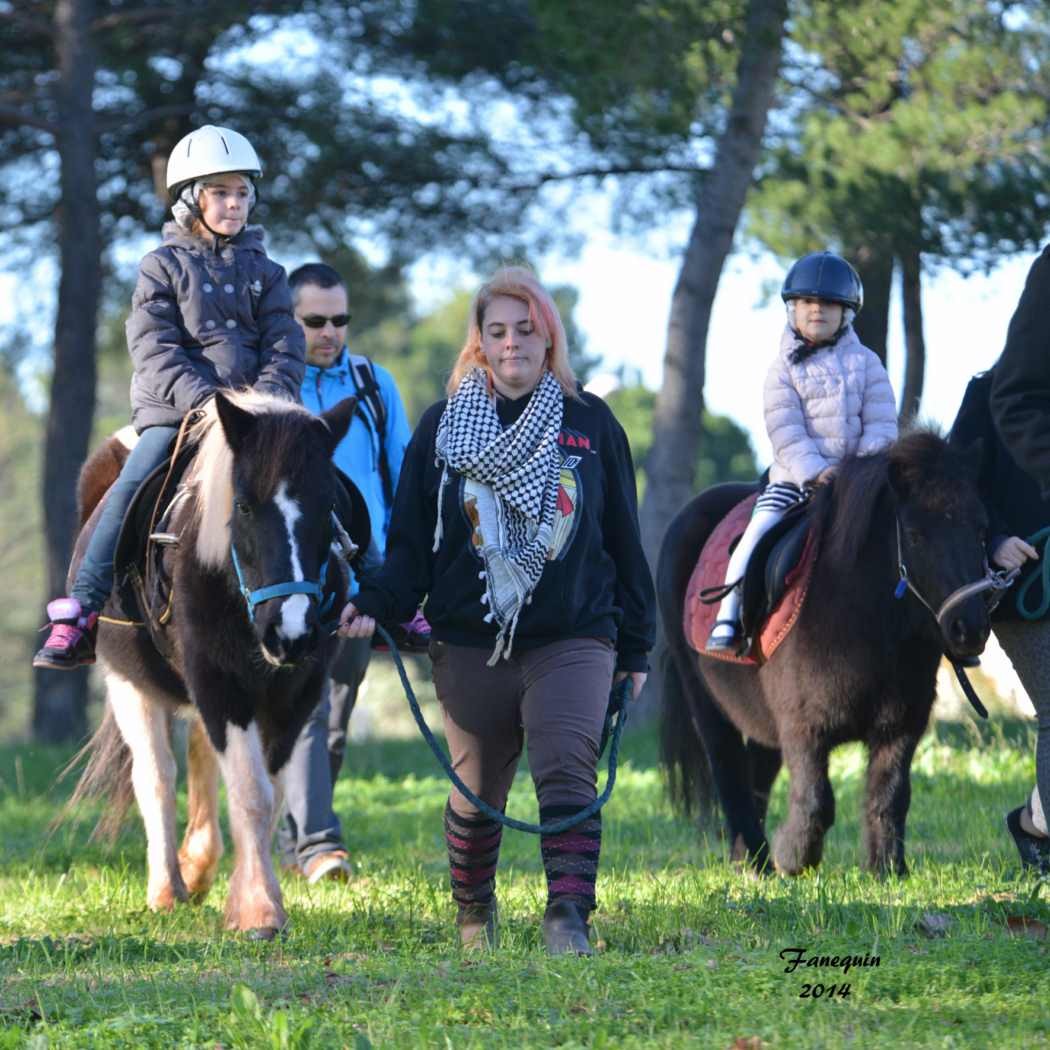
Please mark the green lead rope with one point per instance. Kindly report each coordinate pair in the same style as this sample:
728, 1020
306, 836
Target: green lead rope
1040, 572
615, 720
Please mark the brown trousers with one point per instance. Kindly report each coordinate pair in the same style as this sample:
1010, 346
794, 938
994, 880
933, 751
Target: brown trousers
553, 698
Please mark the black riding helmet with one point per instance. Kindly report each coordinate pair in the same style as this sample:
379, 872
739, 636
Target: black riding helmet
824, 275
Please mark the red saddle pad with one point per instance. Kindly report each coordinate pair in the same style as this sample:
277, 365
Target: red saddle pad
699, 618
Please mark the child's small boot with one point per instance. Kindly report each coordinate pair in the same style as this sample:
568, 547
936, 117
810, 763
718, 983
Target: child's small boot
71, 643
727, 635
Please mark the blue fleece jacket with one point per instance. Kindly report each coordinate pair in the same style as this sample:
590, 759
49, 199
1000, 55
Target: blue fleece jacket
358, 453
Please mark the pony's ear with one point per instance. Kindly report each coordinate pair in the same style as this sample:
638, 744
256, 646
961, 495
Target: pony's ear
236, 422
337, 422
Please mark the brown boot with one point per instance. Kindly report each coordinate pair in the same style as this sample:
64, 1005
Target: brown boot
477, 926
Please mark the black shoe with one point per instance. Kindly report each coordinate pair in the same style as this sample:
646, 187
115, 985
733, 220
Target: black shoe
726, 641
565, 929
1034, 849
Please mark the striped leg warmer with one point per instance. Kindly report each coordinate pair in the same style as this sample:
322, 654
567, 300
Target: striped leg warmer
473, 853
570, 858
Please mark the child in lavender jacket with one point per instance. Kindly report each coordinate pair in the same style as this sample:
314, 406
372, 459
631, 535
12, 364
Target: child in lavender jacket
826, 397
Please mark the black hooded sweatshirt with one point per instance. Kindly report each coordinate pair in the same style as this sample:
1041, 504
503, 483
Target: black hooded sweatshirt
1020, 396
596, 583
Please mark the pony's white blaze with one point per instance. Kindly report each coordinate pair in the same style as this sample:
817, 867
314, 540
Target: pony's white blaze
295, 607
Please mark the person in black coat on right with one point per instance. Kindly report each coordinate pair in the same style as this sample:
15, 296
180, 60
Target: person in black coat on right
1016, 482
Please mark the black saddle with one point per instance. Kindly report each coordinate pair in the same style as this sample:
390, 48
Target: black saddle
777, 553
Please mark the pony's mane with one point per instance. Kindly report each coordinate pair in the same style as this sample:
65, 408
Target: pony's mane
920, 462
210, 478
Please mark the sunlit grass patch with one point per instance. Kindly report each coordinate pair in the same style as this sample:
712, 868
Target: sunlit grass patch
690, 947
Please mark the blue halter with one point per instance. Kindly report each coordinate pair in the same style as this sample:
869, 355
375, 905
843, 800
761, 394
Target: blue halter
282, 590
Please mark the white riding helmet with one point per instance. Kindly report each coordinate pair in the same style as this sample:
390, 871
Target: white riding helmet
210, 150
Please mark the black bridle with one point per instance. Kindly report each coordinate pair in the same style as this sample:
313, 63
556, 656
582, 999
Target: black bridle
993, 585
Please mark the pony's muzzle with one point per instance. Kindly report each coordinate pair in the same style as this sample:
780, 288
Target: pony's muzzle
966, 628
295, 632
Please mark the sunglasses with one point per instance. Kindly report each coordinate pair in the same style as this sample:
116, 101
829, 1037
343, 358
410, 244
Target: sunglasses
317, 321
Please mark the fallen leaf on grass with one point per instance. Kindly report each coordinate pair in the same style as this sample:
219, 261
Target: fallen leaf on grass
746, 1042
22, 1014
934, 924
1022, 926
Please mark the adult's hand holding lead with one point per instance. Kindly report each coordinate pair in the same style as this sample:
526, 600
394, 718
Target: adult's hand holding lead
353, 625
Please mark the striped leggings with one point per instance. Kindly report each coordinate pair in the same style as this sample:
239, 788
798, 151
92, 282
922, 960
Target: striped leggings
773, 503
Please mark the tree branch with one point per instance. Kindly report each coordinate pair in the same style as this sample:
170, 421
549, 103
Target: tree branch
125, 123
17, 118
27, 24
602, 172
119, 19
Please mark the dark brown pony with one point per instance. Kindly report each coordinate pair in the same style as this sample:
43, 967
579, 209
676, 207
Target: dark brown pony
860, 663
245, 675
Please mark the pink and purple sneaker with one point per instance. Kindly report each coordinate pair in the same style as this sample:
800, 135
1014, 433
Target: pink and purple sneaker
71, 643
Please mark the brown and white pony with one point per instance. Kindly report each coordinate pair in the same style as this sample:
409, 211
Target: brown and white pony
262, 490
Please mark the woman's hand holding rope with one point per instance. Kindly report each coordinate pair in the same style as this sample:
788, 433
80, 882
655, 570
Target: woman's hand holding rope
353, 625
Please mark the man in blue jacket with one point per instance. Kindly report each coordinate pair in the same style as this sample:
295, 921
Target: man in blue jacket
310, 838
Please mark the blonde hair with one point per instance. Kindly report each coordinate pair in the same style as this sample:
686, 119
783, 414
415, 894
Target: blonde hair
520, 283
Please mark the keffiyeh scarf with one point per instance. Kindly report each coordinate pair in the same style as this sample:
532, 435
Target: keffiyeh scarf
516, 472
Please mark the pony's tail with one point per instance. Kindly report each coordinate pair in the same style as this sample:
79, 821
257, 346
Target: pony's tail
106, 777
690, 783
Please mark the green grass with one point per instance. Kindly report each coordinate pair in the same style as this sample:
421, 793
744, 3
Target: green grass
689, 946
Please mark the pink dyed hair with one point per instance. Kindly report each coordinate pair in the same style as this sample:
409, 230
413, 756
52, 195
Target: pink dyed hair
520, 283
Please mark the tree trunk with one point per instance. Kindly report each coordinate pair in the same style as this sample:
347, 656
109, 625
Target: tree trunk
671, 464
60, 698
874, 263
914, 341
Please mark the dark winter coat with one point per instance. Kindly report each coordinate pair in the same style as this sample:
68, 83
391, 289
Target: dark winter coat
1011, 496
1020, 397
203, 318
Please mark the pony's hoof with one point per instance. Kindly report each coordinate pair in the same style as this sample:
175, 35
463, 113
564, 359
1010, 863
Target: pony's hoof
166, 898
198, 879
264, 933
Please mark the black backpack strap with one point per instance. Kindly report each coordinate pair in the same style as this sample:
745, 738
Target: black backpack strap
363, 373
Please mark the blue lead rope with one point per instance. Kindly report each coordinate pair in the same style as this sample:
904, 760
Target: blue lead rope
612, 731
